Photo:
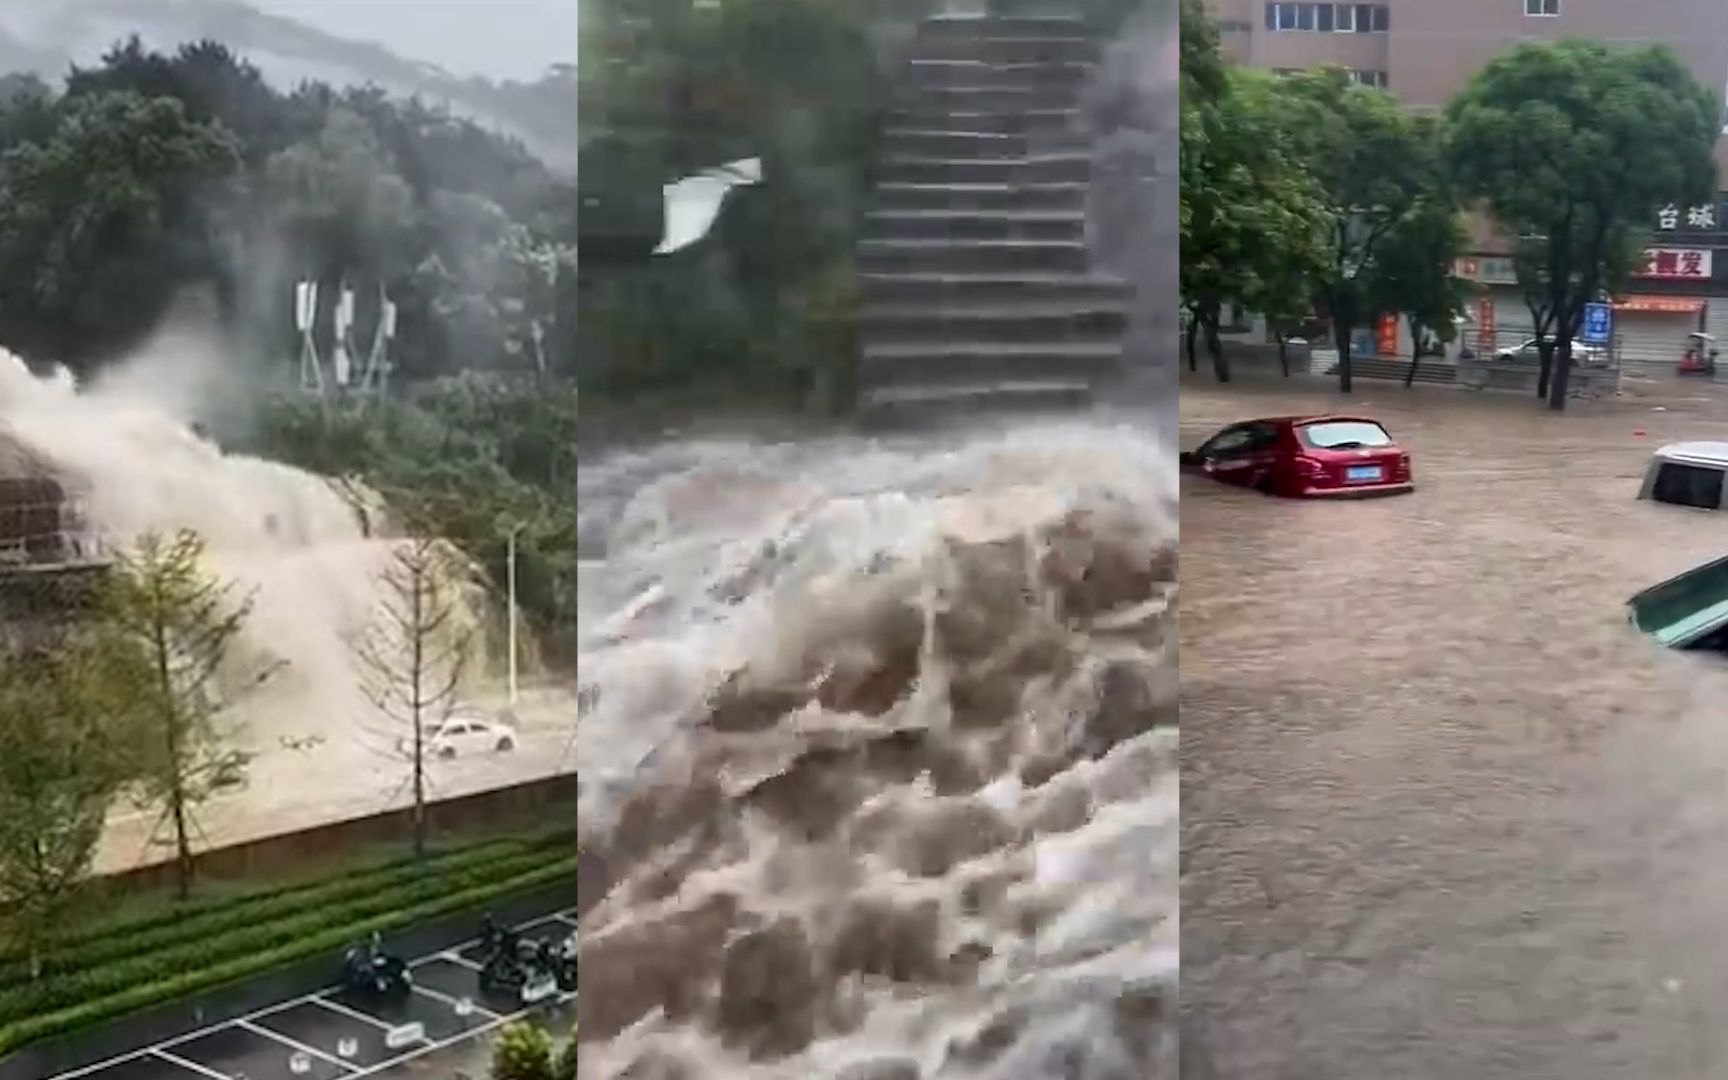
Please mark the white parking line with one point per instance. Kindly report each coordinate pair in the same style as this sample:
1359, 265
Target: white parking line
176, 1059
354, 1014
319, 997
452, 1002
294, 1044
458, 958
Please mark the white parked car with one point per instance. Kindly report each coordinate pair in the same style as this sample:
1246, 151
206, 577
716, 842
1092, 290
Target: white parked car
464, 734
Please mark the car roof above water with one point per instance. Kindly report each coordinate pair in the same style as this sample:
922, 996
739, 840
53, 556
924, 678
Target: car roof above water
1712, 454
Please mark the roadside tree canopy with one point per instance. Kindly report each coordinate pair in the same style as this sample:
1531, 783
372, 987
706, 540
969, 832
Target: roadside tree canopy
1574, 146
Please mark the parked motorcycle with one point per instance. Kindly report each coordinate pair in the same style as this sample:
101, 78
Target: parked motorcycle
370, 971
563, 962
525, 970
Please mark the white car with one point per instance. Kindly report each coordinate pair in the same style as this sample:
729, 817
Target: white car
464, 734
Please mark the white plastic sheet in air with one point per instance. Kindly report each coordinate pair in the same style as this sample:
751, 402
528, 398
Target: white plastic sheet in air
693, 203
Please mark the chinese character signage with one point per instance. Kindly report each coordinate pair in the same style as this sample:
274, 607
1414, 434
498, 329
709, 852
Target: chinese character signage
1598, 324
1676, 264
1485, 324
1693, 218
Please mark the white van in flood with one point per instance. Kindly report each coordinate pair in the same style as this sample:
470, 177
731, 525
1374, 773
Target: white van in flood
1687, 474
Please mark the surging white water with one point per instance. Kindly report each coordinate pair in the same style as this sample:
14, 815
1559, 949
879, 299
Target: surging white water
285, 539
879, 753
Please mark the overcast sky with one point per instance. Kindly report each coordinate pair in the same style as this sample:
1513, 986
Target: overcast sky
500, 39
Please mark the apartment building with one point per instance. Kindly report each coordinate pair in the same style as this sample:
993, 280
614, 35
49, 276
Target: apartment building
1425, 51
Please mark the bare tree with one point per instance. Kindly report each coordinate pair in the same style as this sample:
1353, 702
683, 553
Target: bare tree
184, 621
412, 656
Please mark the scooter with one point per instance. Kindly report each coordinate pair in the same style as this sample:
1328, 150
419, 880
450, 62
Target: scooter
1700, 357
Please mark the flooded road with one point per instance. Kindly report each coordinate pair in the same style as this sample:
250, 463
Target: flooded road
1444, 813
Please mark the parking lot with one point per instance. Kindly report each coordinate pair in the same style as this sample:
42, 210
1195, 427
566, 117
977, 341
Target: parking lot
332, 1035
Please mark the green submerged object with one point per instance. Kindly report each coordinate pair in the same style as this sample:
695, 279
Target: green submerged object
1689, 610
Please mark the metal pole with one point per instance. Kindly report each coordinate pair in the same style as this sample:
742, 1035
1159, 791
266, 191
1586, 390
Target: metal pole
511, 558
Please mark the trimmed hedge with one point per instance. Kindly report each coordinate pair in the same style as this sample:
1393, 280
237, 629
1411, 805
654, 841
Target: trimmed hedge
84, 953
151, 981
240, 933
129, 925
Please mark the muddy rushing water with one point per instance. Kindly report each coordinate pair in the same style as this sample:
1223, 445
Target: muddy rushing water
878, 752
1444, 813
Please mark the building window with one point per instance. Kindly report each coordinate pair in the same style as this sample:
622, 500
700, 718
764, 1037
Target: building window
1542, 7
1329, 18
1375, 79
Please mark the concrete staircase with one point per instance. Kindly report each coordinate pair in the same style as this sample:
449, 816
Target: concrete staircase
1437, 372
977, 279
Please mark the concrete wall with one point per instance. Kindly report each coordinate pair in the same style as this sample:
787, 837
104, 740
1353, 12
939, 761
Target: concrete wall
534, 805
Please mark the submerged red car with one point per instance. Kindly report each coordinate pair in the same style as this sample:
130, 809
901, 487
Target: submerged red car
1306, 457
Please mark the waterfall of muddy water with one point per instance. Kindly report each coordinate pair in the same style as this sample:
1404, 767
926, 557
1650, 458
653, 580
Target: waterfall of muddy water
286, 538
878, 752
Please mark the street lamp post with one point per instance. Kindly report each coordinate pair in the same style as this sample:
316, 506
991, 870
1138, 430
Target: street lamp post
510, 559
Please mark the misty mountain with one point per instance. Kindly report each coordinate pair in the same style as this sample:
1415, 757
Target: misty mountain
48, 38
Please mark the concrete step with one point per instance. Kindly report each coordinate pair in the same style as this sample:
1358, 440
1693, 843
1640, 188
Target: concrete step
1430, 371
989, 95
941, 405
1046, 49
972, 256
1068, 76
963, 290
1041, 324
968, 27
1045, 169
961, 197
975, 225
953, 144
985, 120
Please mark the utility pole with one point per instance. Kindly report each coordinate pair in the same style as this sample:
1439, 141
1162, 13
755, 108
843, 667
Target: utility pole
510, 560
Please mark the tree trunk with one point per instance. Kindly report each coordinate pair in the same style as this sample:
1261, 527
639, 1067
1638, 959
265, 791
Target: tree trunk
1544, 349
1341, 334
1283, 353
1415, 353
1562, 371
1215, 348
183, 866
1193, 329
419, 662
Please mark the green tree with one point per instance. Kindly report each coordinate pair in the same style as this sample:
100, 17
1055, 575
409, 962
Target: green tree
1253, 236
162, 602
1372, 166
103, 223
523, 1052
1415, 271
67, 732
1574, 146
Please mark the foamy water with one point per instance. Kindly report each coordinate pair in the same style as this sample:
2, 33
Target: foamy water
879, 749
287, 540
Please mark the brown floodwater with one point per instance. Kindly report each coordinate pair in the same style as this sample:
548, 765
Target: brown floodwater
1444, 813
